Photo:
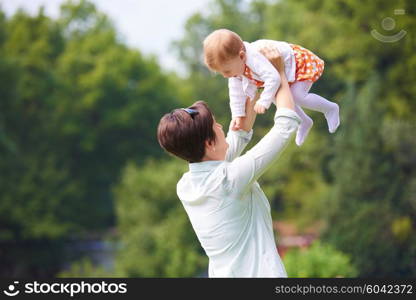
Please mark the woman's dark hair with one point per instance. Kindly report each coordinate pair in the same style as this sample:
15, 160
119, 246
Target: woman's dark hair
183, 133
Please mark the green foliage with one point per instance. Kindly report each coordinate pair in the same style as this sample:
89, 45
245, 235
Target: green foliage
297, 185
84, 268
320, 260
361, 180
368, 215
76, 104
240, 16
156, 236
341, 35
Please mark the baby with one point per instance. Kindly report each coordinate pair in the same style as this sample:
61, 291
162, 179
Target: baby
248, 70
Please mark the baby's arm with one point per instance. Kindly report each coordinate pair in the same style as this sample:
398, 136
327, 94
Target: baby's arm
268, 73
237, 102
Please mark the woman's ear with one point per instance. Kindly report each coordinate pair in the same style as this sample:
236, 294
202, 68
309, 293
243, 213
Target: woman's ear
209, 144
209, 149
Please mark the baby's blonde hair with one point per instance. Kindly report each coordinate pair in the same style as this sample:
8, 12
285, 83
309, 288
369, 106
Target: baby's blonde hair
220, 46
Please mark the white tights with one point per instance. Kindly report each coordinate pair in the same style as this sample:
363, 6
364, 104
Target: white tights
302, 98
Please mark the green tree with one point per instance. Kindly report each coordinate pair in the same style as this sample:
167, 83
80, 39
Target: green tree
85, 268
368, 217
74, 99
156, 236
320, 260
243, 17
120, 97
314, 182
35, 186
341, 34
76, 105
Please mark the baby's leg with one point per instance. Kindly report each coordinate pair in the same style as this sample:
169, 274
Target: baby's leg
302, 97
304, 127
307, 122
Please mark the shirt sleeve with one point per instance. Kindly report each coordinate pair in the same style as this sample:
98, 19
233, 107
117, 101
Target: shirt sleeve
246, 169
237, 97
268, 73
237, 141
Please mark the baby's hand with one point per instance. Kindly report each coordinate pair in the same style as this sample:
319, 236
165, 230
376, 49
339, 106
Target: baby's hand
236, 123
260, 109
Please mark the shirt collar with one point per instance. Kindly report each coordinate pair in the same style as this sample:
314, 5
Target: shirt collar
204, 166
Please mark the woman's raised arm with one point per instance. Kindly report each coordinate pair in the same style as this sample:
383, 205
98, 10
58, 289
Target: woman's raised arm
284, 96
244, 170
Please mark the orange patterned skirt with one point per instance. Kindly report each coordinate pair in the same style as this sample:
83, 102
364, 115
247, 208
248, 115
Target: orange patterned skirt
308, 65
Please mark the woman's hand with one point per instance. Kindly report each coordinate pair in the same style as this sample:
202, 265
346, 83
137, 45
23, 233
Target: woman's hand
284, 96
246, 123
273, 55
236, 123
260, 109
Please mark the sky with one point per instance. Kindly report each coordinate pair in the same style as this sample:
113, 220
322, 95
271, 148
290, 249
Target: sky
149, 25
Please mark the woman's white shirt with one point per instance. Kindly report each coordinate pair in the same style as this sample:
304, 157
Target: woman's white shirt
229, 212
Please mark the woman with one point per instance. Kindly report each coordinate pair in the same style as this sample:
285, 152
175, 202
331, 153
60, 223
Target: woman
226, 206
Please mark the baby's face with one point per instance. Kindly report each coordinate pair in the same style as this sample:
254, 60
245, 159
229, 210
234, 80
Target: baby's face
234, 67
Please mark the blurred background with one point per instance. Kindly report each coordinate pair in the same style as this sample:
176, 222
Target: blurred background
85, 189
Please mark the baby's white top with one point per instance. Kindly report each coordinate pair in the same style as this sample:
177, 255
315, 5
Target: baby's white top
240, 87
